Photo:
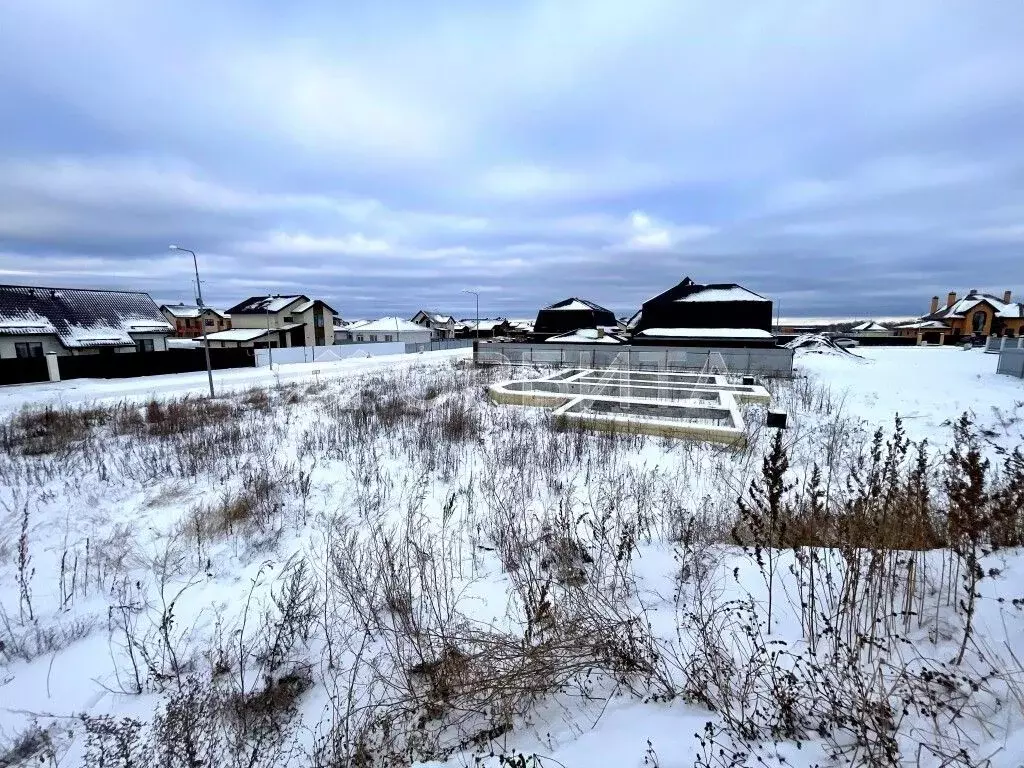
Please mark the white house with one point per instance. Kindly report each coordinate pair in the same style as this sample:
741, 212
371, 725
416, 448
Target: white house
35, 321
387, 329
443, 326
286, 321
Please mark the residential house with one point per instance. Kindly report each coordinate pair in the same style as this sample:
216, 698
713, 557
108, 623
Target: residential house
74, 321
717, 314
869, 329
976, 316
442, 326
489, 328
387, 329
343, 330
290, 321
189, 321
570, 315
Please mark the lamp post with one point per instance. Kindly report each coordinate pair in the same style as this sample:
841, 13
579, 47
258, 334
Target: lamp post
477, 312
199, 303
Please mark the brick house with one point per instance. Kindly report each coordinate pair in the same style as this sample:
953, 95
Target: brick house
189, 320
975, 316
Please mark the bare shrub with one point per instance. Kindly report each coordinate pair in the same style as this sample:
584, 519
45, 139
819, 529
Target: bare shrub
33, 745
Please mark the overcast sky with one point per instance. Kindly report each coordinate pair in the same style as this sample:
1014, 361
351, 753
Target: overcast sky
843, 158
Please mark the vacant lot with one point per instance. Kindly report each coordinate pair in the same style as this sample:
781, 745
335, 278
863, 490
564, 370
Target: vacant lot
385, 569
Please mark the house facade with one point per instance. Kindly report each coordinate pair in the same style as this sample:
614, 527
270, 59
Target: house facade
290, 321
190, 321
974, 316
570, 315
387, 329
718, 314
442, 325
489, 328
35, 321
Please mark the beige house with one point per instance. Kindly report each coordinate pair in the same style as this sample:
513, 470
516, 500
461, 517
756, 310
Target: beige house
278, 321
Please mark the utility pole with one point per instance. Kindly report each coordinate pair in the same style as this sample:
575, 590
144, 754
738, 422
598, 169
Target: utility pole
270, 349
199, 303
477, 312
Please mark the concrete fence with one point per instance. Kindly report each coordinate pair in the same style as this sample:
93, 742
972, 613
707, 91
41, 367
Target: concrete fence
1011, 361
436, 345
776, 362
327, 354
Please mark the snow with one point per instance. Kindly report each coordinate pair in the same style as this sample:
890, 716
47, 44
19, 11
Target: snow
136, 523
707, 333
736, 293
174, 343
869, 326
241, 334
585, 336
388, 325
574, 305
928, 324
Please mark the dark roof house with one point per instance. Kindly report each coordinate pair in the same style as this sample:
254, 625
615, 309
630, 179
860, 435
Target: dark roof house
78, 319
570, 315
262, 305
717, 313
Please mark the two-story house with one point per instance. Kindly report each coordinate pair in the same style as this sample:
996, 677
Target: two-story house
190, 321
278, 321
976, 315
441, 326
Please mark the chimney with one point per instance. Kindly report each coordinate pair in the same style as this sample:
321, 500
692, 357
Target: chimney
972, 291
1007, 297
951, 299
935, 305
600, 333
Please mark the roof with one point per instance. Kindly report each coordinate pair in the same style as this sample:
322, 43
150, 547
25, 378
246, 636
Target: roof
869, 325
574, 304
931, 324
189, 310
78, 317
435, 317
486, 323
688, 291
261, 305
970, 301
707, 333
585, 336
389, 324
308, 305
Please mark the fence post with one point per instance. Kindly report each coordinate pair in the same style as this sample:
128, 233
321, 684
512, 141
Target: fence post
52, 366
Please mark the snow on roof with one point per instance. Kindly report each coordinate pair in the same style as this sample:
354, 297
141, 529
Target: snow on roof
735, 293
574, 305
933, 324
486, 324
173, 343
388, 324
585, 336
707, 333
970, 301
189, 310
304, 306
259, 305
238, 334
79, 318
869, 325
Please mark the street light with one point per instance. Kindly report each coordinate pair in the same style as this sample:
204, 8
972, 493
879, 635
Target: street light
477, 312
202, 320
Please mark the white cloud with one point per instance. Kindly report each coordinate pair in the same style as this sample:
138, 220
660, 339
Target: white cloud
650, 235
283, 243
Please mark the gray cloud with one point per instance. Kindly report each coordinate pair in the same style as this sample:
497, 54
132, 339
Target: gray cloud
843, 158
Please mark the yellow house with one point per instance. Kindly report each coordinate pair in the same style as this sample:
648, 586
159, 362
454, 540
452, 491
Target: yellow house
975, 315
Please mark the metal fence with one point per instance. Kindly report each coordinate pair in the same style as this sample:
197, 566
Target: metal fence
437, 345
770, 361
1011, 362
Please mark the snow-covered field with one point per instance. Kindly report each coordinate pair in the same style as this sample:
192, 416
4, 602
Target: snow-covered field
375, 566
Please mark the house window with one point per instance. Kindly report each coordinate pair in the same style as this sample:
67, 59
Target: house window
28, 349
373, 337
144, 345
359, 337
978, 322
288, 318
387, 337
209, 323
318, 321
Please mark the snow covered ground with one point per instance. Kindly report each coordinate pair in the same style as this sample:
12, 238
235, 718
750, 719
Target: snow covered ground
375, 566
